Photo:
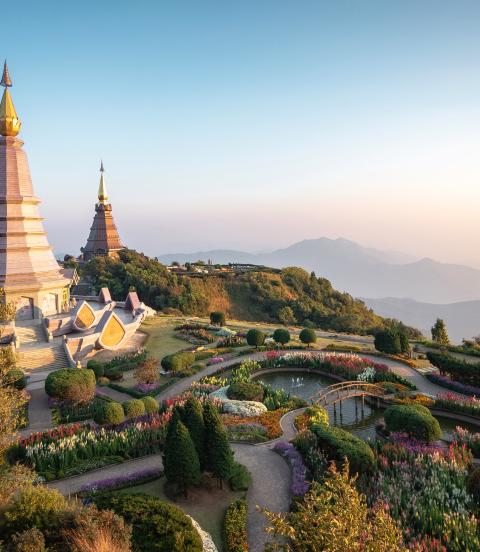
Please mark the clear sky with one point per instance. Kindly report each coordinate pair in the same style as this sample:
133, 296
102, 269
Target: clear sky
253, 124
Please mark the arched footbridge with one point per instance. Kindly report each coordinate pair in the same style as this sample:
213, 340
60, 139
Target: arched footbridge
346, 390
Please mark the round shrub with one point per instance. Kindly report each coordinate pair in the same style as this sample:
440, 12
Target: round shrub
156, 525
245, 391
217, 318
308, 336
414, 420
339, 444
111, 413
76, 385
317, 415
103, 381
178, 361
114, 374
282, 336
255, 337
97, 368
150, 404
134, 408
17, 379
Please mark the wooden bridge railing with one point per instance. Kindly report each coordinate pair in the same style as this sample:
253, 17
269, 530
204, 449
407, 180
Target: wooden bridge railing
346, 390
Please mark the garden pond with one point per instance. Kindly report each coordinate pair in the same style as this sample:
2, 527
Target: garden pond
305, 384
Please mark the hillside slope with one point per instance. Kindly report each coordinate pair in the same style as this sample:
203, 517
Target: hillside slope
259, 295
362, 271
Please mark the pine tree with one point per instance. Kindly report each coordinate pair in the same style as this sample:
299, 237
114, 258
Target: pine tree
439, 332
219, 453
181, 462
193, 419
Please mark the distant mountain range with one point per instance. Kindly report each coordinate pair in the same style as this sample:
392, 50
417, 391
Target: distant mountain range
462, 319
361, 271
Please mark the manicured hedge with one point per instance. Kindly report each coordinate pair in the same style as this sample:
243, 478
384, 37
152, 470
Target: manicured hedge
339, 444
133, 408
255, 337
459, 370
150, 404
111, 413
17, 379
415, 420
240, 479
245, 391
235, 527
58, 383
178, 361
156, 525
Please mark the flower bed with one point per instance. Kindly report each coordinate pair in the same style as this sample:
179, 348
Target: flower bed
463, 437
114, 483
235, 527
300, 485
459, 404
424, 489
445, 381
269, 420
79, 448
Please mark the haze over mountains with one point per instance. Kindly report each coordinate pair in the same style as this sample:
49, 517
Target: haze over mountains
392, 283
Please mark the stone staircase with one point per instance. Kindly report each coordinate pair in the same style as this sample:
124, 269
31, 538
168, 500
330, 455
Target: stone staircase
30, 334
47, 358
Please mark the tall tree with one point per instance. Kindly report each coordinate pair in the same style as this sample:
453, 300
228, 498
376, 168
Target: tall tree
439, 332
193, 419
219, 452
181, 462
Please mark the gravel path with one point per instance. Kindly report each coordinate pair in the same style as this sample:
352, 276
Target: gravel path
73, 484
113, 393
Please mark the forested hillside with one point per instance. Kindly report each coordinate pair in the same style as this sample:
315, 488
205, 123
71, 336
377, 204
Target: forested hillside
291, 295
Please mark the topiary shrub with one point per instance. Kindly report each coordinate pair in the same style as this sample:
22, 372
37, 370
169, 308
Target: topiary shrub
74, 385
103, 381
156, 525
245, 391
178, 361
282, 336
112, 373
255, 338
339, 444
133, 408
17, 379
150, 404
97, 367
240, 478
111, 413
414, 420
308, 336
217, 318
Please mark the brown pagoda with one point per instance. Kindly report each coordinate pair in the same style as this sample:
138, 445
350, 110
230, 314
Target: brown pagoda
103, 239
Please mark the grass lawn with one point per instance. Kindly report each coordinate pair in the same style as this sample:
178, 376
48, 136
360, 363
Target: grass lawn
206, 506
161, 339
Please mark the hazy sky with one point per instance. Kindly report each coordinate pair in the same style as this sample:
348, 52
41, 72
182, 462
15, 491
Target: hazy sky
253, 124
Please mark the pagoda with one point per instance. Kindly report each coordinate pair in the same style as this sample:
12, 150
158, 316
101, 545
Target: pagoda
103, 239
29, 273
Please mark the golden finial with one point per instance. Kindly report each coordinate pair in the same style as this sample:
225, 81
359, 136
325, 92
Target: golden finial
9, 122
102, 189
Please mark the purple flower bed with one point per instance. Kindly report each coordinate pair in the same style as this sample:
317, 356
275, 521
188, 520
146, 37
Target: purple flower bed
147, 387
121, 481
445, 381
299, 471
415, 446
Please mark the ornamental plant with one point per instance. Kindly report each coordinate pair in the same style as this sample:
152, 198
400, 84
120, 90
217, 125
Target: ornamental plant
281, 336
73, 385
235, 527
414, 420
147, 371
150, 404
133, 408
308, 336
193, 420
255, 337
217, 318
242, 373
219, 452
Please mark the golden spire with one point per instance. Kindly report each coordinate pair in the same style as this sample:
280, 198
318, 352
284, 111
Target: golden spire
9, 122
102, 189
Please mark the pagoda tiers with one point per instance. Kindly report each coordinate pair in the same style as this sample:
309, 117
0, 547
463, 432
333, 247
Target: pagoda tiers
103, 239
29, 274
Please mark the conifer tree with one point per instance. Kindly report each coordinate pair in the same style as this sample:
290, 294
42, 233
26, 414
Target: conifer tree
181, 462
219, 453
439, 332
193, 420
